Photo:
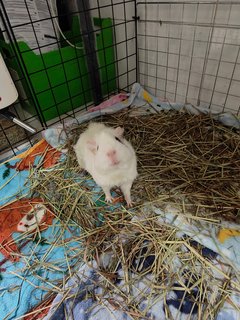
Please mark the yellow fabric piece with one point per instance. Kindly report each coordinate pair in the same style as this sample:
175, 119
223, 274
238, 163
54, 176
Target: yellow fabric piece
224, 234
146, 96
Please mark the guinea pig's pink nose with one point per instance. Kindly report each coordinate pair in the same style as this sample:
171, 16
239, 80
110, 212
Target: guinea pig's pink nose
111, 153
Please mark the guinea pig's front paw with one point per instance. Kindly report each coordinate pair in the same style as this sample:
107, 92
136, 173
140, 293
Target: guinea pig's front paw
109, 199
129, 204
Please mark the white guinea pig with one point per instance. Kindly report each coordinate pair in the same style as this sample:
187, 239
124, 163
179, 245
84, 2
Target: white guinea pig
108, 157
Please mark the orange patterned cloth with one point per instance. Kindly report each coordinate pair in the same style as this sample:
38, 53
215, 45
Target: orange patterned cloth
24, 215
40, 311
21, 216
50, 156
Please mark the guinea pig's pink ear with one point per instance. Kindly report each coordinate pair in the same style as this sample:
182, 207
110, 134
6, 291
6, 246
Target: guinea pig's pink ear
119, 131
92, 146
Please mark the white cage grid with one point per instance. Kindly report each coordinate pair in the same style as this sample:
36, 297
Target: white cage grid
189, 52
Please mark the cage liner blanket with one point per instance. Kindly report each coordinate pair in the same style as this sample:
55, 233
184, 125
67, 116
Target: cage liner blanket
21, 287
79, 302
18, 295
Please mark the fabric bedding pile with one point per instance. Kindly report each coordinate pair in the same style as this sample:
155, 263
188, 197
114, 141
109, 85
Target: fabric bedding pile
66, 254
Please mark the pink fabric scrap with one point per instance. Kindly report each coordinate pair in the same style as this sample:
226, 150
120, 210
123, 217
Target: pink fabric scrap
110, 102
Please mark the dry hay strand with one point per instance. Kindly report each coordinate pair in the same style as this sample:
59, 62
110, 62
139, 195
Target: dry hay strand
187, 157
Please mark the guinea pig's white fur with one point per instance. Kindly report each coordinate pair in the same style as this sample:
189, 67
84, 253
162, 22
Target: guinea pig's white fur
91, 151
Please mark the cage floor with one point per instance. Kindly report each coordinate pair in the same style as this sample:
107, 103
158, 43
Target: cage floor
174, 255
10, 134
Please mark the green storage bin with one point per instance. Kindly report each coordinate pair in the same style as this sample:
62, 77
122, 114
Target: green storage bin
58, 81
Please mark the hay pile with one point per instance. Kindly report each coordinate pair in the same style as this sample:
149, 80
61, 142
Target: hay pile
66, 194
150, 253
188, 160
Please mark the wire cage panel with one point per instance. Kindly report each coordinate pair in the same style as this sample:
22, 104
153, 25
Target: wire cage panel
51, 70
189, 51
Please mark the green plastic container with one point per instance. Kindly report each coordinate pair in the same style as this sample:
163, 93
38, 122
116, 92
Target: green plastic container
58, 81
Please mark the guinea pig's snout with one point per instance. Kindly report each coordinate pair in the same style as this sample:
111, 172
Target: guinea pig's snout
112, 155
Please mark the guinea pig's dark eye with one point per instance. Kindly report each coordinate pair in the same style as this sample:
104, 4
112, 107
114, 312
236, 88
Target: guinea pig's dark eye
118, 139
97, 148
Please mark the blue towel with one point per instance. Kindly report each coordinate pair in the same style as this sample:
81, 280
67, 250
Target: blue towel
13, 183
22, 288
